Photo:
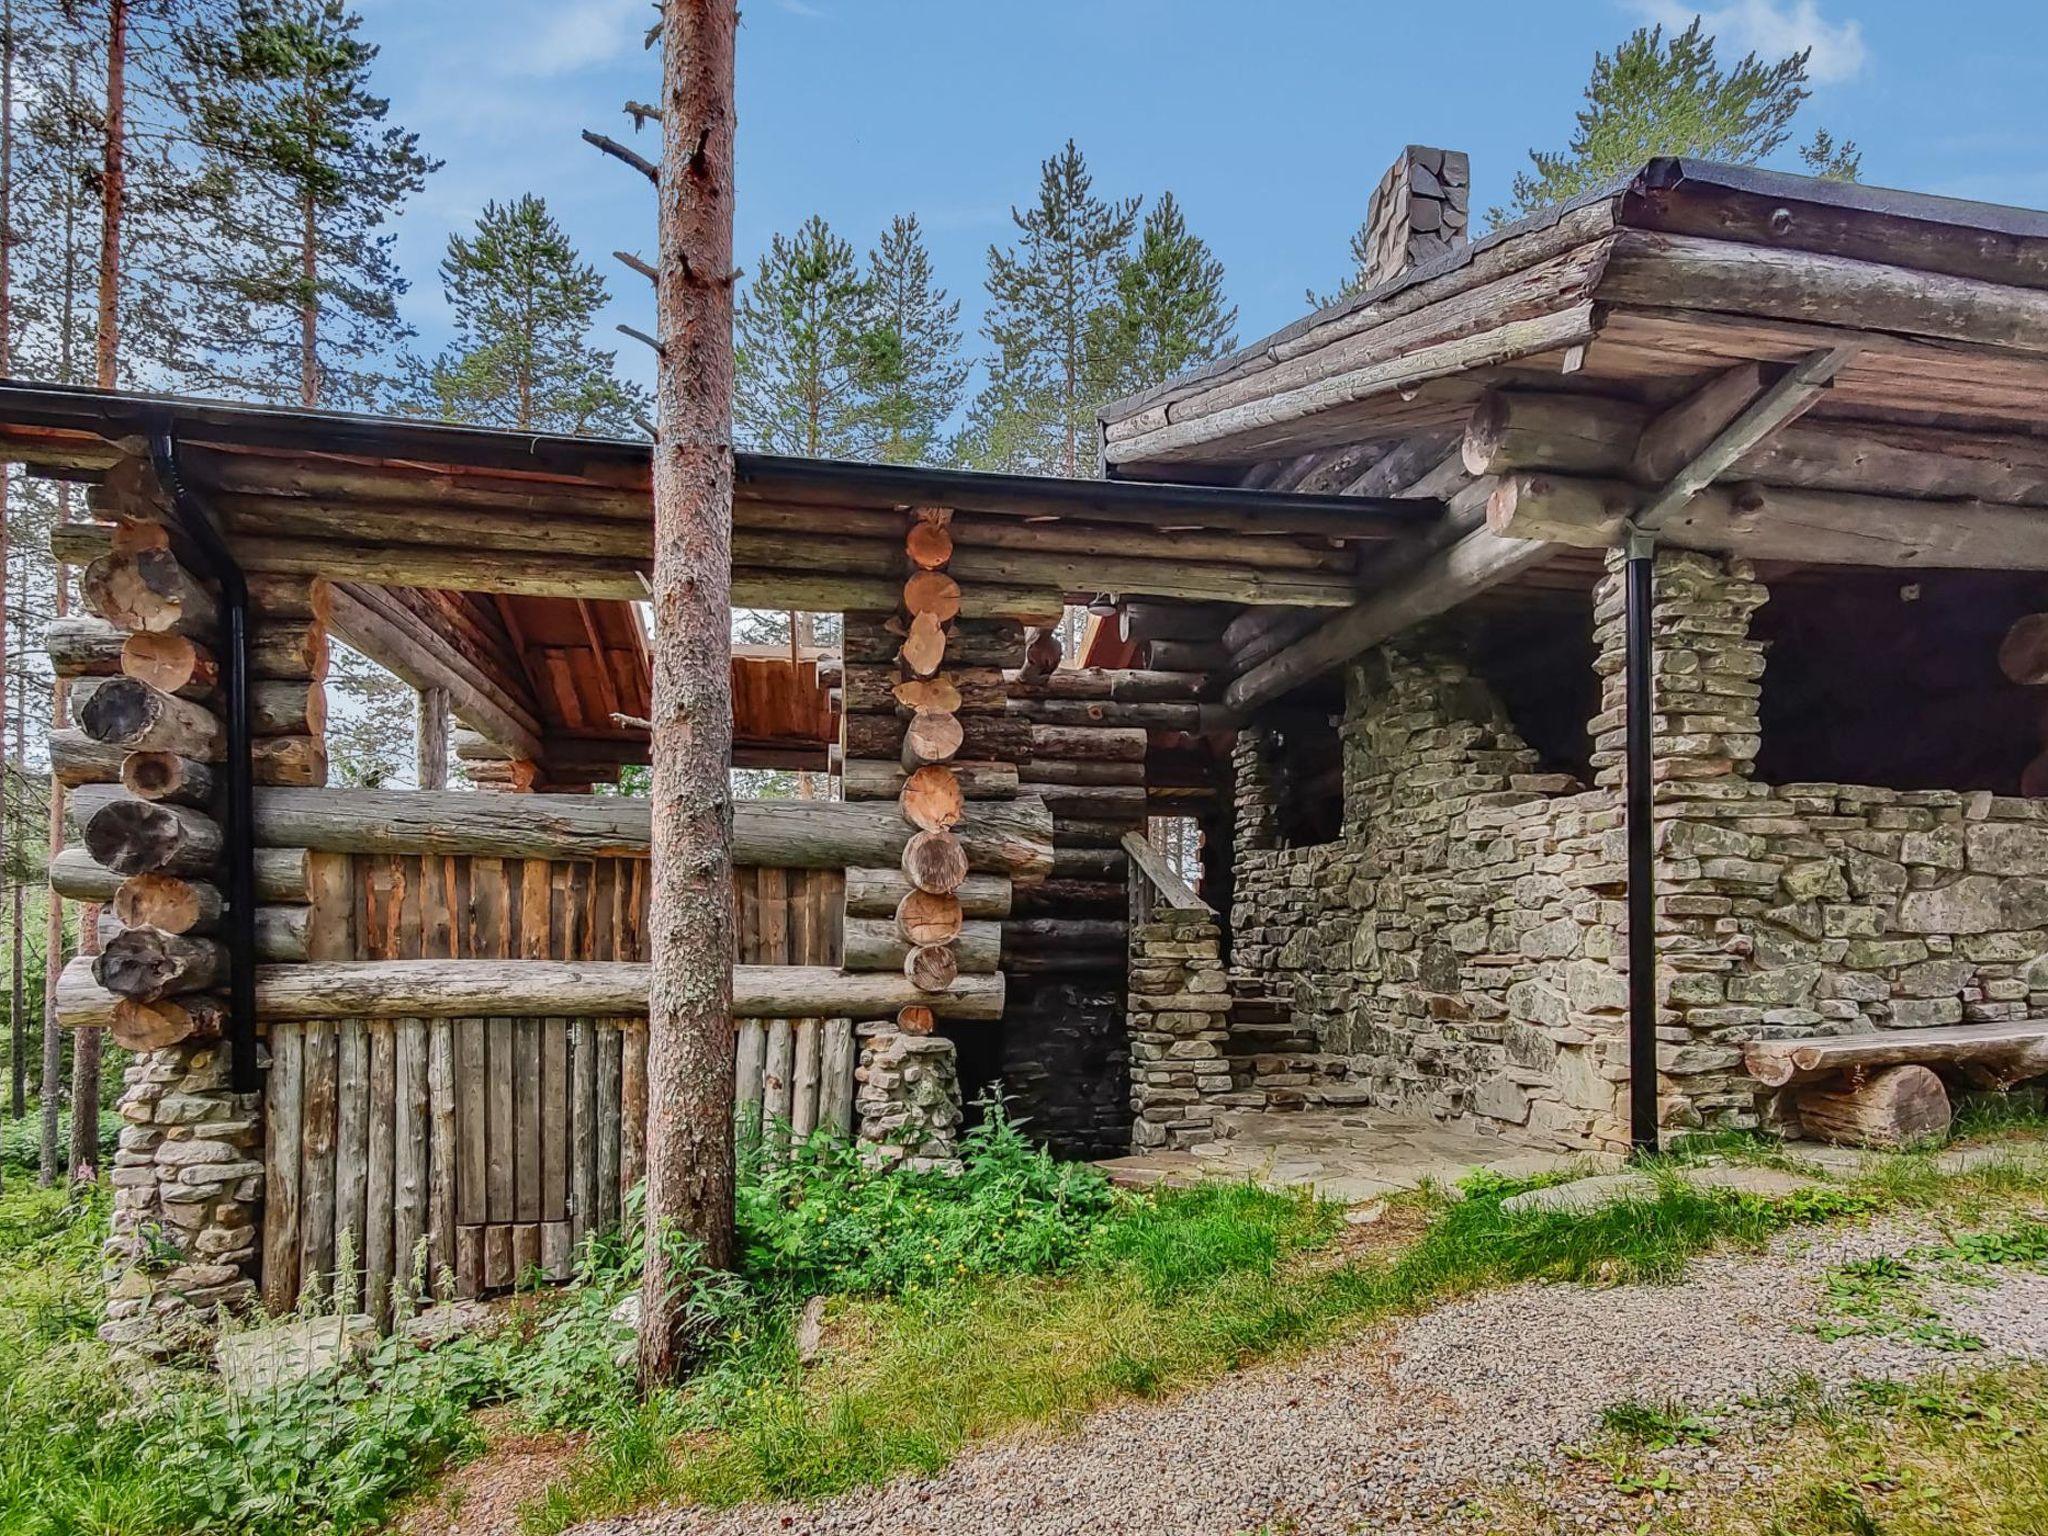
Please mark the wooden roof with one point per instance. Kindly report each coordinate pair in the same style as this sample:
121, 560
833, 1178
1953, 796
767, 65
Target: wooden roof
508, 566
1620, 316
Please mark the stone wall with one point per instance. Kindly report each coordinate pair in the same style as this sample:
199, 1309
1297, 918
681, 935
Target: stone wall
1064, 1063
188, 1189
1179, 999
1455, 950
1461, 948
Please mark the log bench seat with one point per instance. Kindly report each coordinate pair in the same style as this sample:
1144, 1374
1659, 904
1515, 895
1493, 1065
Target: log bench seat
1880, 1089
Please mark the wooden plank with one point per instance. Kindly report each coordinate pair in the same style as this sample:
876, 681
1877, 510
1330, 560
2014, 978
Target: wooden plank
441, 1150
749, 1061
803, 1097
412, 1160
1173, 891
501, 1133
557, 1251
526, 1136
633, 1103
380, 1260
835, 1077
351, 1155
778, 1073
554, 1120
525, 1251
608, 1044
469, 1261
470, 1087
498, 1272
583, 1201
284, 1134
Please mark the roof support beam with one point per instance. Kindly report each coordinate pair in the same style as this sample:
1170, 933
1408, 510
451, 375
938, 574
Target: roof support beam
1476, 562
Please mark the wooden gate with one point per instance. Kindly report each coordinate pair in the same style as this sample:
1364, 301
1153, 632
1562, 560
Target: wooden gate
462, 1155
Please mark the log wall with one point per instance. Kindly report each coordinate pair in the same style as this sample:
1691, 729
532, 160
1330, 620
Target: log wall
478, 1150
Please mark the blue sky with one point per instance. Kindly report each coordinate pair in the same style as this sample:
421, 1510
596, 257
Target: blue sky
1270, 122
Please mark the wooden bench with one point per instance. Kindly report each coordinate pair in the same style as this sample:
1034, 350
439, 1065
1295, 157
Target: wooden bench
1880, 1089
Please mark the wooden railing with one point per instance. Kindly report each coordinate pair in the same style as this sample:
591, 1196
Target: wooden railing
1156, 883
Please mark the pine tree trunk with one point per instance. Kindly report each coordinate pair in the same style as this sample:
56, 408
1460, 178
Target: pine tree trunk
690, 1031
7, 825
113, 193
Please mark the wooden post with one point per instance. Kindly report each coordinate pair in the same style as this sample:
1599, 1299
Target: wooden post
690, 1034
432, 738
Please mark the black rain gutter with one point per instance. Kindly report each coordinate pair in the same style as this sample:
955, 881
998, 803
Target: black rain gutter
1639, 573
198, 526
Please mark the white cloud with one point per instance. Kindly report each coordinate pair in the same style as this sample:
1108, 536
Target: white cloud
574, 35
1771, 29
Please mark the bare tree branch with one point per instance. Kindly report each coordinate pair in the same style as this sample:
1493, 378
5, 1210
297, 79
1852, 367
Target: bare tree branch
619, 151
628, 259
659, 349
642, 114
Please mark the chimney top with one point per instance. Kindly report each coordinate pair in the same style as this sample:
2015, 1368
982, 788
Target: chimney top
1419, 211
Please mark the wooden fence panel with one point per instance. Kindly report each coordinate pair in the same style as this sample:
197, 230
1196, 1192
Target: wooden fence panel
470, 1153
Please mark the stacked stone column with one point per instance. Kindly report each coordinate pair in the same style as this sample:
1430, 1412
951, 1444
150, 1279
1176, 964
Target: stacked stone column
1179, 1017
909, 1098
1706, 674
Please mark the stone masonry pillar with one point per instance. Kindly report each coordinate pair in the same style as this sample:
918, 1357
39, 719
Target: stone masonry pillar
1705, 670
1180, 1008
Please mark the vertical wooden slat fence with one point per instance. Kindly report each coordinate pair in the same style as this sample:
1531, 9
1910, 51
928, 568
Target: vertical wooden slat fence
463, 1154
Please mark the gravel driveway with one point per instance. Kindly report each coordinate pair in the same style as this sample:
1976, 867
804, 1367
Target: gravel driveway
1387, 1432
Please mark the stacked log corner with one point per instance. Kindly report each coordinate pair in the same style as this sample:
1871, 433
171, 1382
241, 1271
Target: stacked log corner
145, 762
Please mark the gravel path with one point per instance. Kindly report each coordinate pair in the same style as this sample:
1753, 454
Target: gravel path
1388, 1432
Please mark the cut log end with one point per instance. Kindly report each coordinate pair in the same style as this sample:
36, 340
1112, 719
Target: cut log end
148, 964
932, 799
931, 737
923, 650
915, 1019
935, 862
929, 544
2023, 654
929, 917
1897, 1107
932, 593
150, 1026
931, 967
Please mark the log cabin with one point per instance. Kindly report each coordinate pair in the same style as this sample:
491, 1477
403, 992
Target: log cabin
1443, 615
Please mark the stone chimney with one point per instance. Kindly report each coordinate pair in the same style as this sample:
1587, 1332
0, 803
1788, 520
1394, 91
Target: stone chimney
1419, 211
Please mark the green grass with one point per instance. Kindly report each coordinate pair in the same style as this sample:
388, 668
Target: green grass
1177, 1290
1024, 1293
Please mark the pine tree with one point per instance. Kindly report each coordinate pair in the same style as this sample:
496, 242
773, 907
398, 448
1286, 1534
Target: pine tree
524, 306
799, 341
1051, 303
302, 178
1657, 97
1171, 311
911, 369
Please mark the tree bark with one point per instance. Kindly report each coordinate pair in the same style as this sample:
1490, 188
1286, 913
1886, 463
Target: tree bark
690, 919
432, 739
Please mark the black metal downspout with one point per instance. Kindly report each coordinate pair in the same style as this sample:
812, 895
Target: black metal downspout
1639, 577
240, 825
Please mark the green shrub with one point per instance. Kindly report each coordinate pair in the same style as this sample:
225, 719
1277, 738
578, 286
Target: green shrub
21, 1141
816, 1219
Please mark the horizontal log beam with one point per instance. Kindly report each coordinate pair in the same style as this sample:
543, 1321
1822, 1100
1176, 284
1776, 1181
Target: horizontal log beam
77, 876
879, 892
876, 944
1002, 837
445, 989
1766, 523
1476, 562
